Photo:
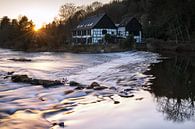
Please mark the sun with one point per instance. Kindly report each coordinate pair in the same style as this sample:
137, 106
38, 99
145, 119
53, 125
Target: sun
37, 27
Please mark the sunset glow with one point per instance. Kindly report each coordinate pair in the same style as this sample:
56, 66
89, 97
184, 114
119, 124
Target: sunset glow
36, 29
41, 12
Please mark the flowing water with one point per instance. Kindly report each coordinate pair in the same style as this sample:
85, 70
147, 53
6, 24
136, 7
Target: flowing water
145, 91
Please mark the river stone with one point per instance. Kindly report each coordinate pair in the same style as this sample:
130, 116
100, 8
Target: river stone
100, 88
26, 79
113, 88
68, 92
93, 85
10, 73
73, 83
48, 83
21, 78
61, 124
116, 102
79, 88
129, 89
139, 99
126, 96
21, 60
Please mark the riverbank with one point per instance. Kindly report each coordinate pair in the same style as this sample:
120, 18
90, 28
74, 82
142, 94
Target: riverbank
91, 48
153, 45
170, 46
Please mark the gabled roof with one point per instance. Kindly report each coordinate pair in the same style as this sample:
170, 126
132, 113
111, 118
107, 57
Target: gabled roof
90, 22
125, 21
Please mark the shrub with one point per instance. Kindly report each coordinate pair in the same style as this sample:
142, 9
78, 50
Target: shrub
128, 42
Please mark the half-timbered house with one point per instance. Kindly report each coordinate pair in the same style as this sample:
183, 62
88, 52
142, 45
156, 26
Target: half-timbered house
128, 26
93, 29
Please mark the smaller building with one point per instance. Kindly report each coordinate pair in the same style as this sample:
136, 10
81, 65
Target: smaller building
92, 30
128, 26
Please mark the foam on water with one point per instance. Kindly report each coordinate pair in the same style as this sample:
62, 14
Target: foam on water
119, 70
127, 70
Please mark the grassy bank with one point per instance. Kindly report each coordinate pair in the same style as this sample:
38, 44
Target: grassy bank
160, 45
95, 48
153, 45
55, 46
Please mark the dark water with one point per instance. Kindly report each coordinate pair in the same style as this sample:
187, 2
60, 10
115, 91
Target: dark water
174, 87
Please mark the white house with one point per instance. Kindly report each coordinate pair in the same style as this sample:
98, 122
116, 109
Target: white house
93, 29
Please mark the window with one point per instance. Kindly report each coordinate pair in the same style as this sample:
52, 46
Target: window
84, 32
79, 33
104, 31
88, 32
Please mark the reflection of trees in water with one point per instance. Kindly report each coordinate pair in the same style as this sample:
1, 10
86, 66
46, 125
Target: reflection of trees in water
176, 110
174, 88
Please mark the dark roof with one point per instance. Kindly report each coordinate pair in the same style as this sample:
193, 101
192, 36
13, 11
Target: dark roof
125, 21
90, 22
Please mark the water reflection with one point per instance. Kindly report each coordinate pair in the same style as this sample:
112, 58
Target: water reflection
174, 87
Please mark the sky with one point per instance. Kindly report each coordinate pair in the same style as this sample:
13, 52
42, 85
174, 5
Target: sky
40, 11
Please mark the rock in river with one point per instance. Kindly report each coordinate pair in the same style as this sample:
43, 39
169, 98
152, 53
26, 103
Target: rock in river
100, 88
96, 86
21, 78
125, 94
68, 92
26, 79
73, 83
21, 60
93, 85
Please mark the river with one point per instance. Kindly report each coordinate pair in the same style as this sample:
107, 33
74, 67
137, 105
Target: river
160, 90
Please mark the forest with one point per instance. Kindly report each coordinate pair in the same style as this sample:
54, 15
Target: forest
167, 20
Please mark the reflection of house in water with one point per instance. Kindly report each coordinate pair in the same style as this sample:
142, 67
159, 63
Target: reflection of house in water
92, 30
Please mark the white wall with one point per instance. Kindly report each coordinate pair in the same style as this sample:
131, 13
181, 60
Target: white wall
138, 38
123, 33
97, 34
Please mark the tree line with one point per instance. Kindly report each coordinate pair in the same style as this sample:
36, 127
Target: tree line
164, 19
15, 30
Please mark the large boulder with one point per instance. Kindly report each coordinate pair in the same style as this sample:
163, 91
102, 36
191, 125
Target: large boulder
26, 79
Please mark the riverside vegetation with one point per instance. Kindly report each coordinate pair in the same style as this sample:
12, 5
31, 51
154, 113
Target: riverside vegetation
172, 22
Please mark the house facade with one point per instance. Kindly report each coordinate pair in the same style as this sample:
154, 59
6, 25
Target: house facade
93, 29
128, 26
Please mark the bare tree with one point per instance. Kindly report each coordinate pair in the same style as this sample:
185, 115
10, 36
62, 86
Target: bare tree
66, 11
95, 5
